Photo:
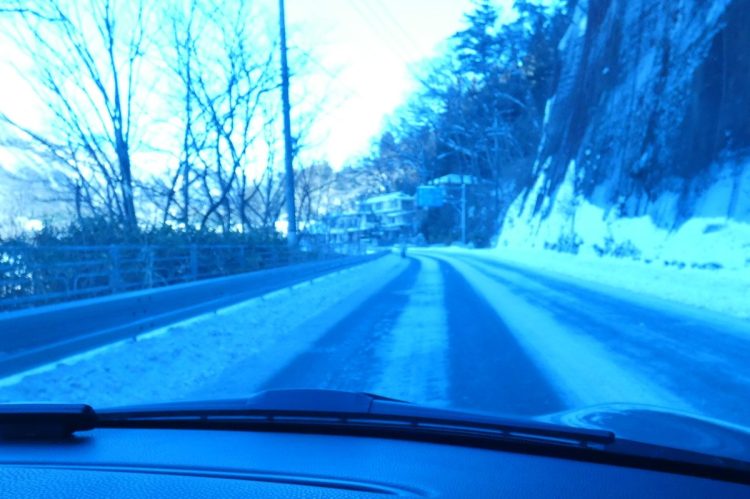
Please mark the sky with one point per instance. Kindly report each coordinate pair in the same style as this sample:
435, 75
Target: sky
362, 52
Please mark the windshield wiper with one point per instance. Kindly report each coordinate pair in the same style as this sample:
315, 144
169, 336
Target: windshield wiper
362, 414
345, 412
279, 410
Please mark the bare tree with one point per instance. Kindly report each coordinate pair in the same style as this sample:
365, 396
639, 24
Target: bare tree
25, 8
224, 80
87, 59
264, 199
314, 185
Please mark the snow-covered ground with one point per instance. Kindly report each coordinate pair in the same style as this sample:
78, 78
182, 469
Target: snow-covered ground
445, 327
176, 361
704, 262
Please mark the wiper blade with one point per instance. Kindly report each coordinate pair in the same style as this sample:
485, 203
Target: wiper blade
292, 410
346, 411
45, 420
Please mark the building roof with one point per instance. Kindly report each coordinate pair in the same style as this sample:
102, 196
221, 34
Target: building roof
388, 197
455, 179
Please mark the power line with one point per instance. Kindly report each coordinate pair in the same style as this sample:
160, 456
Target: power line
405, 34
334, 77
386, 26
387, 40
377, 31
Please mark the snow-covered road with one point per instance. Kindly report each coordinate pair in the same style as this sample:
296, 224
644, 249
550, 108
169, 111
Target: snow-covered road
595, 347
443, 328
474, 333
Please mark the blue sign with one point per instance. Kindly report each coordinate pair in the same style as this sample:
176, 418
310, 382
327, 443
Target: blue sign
430, 196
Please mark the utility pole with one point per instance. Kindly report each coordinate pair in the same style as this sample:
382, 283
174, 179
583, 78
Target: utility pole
495, 133
463, 209
288, 149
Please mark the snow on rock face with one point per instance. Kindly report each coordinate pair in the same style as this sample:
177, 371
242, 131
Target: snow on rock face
575, 225
646, 145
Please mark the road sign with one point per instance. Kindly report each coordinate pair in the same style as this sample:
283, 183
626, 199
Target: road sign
430, 196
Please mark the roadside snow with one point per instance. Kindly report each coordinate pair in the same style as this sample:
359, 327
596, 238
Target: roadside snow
173, 362
720, 290
414, 355
572, 224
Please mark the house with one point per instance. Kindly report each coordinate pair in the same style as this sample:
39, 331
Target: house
352, 231
379, 220
396, 215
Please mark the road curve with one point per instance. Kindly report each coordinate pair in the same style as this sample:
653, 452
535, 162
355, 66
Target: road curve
465, 331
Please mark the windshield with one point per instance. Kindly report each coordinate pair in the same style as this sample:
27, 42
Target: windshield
530, 208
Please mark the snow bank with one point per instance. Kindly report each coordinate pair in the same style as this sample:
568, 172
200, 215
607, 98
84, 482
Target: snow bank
720, 290
705, 262
574, 225
176, 361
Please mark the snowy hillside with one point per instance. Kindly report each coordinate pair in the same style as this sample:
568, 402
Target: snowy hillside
645, 153
573, 224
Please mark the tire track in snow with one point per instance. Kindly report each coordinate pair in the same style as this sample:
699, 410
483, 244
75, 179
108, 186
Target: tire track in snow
489, 370
583, 371
345, 355
414, 354
689, 353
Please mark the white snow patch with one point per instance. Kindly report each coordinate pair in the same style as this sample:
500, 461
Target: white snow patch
582, 22
547, 109
414, 355
729, 194
704, 263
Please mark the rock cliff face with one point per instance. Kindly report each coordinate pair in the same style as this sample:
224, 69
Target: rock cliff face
651, 118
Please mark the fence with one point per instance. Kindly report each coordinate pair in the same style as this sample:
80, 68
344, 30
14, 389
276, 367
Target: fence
31, 275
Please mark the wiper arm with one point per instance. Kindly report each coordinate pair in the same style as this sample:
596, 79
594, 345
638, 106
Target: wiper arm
291, 409
45, 420
324, 411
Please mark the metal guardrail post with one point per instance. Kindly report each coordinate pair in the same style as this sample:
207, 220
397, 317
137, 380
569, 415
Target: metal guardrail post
149, 267
193, 262
115, 280
88, 324
36, 275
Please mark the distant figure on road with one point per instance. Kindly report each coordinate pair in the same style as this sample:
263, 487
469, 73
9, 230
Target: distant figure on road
403, 250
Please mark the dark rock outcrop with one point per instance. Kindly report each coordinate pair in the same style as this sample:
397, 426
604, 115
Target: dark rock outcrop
653, 105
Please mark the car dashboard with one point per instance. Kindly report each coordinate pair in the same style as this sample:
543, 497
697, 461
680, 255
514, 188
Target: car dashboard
184, 463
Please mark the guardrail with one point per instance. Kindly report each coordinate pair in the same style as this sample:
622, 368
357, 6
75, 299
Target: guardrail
40, 335
32, 275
